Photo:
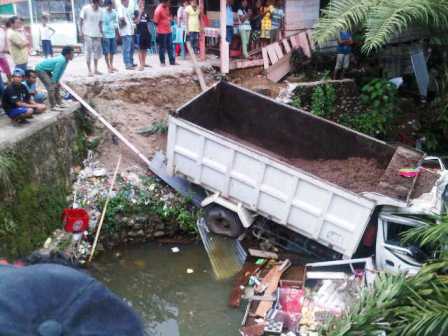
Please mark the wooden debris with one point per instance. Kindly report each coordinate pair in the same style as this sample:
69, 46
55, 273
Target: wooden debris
262, 254
271, 280
248, 270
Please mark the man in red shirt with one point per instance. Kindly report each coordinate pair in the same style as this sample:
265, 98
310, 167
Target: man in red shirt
162, 18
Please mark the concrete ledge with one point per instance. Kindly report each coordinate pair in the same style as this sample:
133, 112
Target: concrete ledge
11, 133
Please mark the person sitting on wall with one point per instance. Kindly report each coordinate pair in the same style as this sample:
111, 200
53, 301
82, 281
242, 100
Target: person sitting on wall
17, 101
344, 50
50, 72
30, 84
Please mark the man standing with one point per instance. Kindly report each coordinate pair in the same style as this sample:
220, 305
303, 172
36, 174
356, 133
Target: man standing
162, 19
50, 72
18, 43
343, 50
127, 27
46, 33
16, 100
110, 23
91, 30
193, 24
229, 21
278, 16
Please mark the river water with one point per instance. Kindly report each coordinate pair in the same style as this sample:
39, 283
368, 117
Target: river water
171, 301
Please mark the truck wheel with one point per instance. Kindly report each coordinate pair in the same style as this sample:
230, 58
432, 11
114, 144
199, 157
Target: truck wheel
222, 221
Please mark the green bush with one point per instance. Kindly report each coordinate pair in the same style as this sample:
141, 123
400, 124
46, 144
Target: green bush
379, 101
323, 101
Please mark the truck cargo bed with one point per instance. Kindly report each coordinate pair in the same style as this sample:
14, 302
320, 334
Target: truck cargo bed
322, 148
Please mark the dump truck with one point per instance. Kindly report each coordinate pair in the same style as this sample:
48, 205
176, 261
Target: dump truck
261, 162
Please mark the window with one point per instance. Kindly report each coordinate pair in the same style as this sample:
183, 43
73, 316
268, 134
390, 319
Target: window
432, 164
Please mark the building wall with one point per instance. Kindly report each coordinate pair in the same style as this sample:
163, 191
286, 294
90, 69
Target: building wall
301, 14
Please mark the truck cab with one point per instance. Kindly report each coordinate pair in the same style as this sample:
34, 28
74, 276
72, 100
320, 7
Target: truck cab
392, 255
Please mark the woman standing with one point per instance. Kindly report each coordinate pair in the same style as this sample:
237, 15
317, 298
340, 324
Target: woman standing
144, 42
18, 43
245, 28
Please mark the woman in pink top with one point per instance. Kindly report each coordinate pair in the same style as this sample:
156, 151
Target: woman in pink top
162, 18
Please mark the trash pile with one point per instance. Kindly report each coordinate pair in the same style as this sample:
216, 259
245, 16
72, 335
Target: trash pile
141, 208
283, 299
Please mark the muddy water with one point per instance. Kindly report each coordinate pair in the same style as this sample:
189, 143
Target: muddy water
171, 301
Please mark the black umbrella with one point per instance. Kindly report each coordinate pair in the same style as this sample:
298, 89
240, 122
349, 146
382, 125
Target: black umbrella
55, 300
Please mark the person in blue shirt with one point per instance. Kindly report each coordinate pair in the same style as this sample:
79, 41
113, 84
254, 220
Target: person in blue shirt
110, 24
344, 50
30, 84
229, 21
50, 72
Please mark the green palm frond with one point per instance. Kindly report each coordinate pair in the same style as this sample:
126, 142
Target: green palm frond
433, 234
398, 305
342, 15
395, 16
380, 19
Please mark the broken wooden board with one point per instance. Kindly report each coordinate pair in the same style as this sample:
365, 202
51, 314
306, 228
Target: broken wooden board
242, 278
294, 41
262, 254
309, 33
279, 70
286, 46
278, 50
272, 54
271, 280
304, 44
265, 58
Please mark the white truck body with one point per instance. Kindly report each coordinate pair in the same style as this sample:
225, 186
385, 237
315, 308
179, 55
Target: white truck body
306, 204
209, 145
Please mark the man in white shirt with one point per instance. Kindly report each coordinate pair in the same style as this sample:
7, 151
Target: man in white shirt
126, 27
91, 30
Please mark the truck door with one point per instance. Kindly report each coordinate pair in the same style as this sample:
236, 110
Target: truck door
391, 255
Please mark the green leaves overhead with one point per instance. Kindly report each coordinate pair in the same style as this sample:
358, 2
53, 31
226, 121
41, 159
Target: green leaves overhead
381, 20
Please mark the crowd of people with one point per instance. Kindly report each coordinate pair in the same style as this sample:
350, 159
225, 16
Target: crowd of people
20, 98
102, 24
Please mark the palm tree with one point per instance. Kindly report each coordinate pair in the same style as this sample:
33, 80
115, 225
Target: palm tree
381, 20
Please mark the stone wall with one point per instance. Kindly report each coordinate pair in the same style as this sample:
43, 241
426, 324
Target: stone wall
35, 178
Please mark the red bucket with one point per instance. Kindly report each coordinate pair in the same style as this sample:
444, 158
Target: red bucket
75, 220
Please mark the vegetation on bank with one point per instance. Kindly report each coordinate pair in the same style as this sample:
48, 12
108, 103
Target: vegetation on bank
154, 200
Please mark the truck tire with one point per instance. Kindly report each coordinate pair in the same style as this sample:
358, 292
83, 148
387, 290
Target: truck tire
222, 221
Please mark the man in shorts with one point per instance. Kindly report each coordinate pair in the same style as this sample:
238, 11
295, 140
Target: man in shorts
17, 101
91, 30
110, 24
344, 50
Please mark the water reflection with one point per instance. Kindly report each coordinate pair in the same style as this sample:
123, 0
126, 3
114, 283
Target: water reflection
155, 282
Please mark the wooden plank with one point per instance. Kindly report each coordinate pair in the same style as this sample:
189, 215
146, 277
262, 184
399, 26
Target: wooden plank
278, 50
262, 254
254, 52
272, 54
294, 41
309, 33
271, 280
278, 71
286, 46
196, 66
264, 52
241, 280
303, 40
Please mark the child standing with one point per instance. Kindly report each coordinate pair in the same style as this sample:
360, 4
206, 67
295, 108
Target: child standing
46, 33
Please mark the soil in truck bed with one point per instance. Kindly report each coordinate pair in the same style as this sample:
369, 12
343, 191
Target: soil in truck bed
355, 173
